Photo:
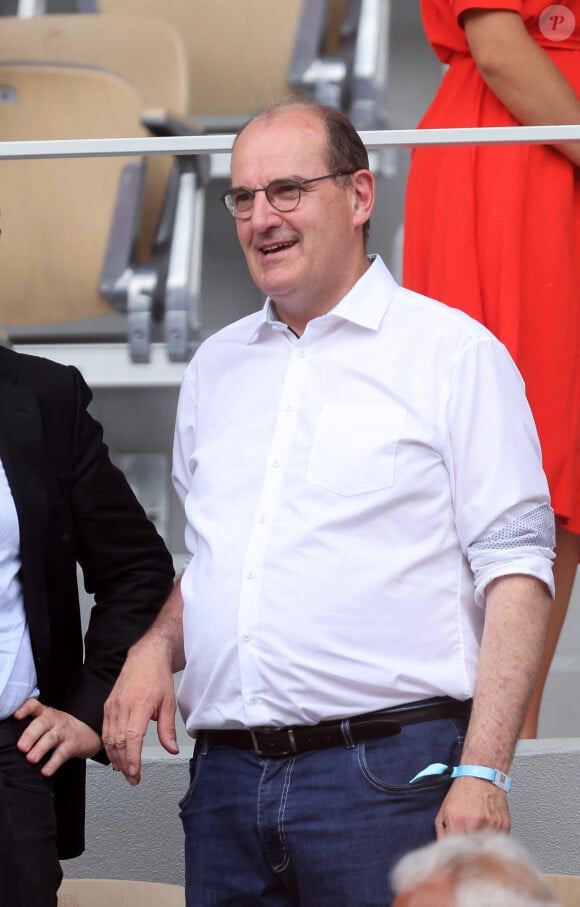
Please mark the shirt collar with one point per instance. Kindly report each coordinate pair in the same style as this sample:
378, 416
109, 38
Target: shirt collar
364, 305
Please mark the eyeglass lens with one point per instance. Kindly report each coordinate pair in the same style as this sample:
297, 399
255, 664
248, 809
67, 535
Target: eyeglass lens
283, 194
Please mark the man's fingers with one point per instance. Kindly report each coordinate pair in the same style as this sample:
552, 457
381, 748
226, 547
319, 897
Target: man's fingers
144, 692
168, 739
57, 758
41, 735
54, 734
123, 739
135, 735
29, 707
166, 725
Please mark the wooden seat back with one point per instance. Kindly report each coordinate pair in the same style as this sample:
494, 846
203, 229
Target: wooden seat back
119, 893
566, 888
147, 52
55, 214
238, 53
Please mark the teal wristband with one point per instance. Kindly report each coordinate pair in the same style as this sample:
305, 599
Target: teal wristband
500, 779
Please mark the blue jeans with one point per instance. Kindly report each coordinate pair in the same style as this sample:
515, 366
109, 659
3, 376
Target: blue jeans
318, 828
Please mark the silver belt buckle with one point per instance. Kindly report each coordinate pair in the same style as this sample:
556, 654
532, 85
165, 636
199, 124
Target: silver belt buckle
275, 730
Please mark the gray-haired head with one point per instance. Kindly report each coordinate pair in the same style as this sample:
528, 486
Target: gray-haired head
479, 870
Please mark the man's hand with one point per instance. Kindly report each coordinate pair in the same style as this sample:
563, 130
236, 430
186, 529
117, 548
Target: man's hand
473, 804
517, 609
143, 692
54, 730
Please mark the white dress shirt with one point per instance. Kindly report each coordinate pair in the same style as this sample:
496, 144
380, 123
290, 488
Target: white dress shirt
17, 671
349, 494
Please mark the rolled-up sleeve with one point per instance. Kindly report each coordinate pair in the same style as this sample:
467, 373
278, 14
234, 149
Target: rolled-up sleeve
524, 545
502, 506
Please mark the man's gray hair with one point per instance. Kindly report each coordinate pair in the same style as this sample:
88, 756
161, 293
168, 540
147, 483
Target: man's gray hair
482, 869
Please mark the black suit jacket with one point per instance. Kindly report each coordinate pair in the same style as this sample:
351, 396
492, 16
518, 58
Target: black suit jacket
74, 506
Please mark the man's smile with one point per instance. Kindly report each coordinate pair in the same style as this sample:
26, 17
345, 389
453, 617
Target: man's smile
275, 247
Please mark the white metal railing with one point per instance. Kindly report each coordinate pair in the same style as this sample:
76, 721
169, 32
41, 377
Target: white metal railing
220, 144
119, 370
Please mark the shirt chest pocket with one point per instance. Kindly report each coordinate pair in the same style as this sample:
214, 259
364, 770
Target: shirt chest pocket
354, 445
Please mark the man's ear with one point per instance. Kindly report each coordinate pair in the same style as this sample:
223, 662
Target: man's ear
363, 196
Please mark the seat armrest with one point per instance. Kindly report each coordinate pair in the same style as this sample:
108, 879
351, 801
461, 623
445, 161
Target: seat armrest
308, 45
167, 286
181, 226
370, 66
182, 308
117, 264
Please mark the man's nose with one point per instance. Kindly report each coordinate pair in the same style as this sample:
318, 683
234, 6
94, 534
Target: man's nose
264, 214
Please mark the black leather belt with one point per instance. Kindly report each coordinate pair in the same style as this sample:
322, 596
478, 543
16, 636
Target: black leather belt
285, 741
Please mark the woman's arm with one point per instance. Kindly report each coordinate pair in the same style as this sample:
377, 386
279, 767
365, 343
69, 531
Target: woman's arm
520, 74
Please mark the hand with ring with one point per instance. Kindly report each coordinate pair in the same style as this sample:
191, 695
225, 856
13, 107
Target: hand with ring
54, 736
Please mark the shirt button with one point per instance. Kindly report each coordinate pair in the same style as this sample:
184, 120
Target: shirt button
262, 518
246, 637
275, 464
250, 574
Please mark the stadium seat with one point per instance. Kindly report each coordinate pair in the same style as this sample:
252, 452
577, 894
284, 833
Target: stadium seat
56, 214
243, 57
566, 888
130, 49
134, 234
148, 53
119, 893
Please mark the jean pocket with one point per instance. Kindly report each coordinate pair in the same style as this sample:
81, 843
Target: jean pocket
389, 764
354, 445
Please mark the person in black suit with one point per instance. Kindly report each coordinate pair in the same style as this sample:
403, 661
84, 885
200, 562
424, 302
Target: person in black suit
62, 502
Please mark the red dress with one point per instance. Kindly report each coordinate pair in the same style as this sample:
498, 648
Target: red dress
495, 231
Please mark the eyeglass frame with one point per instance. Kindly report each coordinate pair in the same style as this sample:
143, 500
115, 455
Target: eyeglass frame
299, 183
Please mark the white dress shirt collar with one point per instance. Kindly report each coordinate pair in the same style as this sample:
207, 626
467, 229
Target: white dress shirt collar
359, 306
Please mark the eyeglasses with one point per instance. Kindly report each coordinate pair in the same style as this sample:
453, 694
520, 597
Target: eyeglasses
283, 194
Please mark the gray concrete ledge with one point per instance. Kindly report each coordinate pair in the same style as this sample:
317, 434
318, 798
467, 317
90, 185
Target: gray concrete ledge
135, 832
545, 802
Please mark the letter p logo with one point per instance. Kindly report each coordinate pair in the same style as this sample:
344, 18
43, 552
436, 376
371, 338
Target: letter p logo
557, 23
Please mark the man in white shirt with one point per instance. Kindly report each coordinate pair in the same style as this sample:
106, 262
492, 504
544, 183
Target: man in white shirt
371, 543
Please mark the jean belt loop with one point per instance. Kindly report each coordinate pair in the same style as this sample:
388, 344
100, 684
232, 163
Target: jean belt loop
204, 744
345, 728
